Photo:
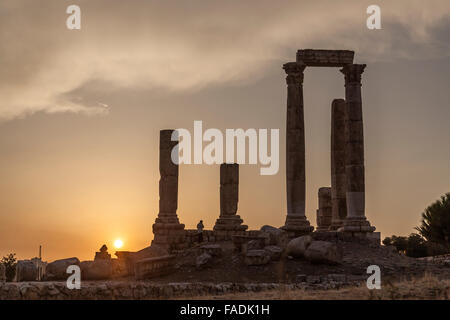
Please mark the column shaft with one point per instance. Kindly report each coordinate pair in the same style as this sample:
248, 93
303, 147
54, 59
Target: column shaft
295, 151
168, 231
229, 198
354, 151
338, 176
324, 212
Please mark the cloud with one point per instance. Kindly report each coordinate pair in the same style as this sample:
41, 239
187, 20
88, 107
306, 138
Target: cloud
187, 45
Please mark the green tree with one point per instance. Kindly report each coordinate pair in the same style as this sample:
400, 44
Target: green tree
435, 225
10, 262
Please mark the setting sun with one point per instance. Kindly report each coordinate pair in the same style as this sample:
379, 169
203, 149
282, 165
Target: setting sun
118, 243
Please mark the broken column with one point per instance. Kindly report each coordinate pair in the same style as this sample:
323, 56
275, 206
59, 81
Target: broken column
229, 198
324, 211
102, 254
296, 222
355, 221
169, 232
338, 180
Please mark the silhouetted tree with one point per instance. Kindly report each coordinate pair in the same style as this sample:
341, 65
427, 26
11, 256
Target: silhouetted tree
416, 246
10, 262
400, 243
435, 225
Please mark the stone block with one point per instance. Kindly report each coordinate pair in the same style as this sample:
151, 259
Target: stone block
276, 236
96, 270
274, 252
214, 250
256, 257
325, 58
26, 270
154, 267
56, 270
297, 246
323, 252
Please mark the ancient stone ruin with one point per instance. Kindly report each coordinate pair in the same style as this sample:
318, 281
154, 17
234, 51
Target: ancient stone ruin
347, 154
229, 198
168, 230
324, 216
341, 207
102, 254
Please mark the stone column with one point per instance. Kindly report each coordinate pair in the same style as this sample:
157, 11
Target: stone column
324, 211
229, 198
296, 222
338, 180
168, 231
355, 221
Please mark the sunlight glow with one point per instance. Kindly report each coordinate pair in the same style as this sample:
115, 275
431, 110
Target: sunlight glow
118, 243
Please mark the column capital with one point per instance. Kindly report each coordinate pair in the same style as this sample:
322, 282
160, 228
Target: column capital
353, 72
294, 71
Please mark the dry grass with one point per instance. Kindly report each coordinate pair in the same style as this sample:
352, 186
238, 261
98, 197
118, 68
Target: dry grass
426, 287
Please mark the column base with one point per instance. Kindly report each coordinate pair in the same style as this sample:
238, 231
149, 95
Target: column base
168, 232
297, 226
230, 223
357, 225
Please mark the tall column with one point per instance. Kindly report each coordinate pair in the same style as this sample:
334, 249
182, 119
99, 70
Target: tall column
168, 230
355, 221
324, 211
338, 178
229, 198
296, 221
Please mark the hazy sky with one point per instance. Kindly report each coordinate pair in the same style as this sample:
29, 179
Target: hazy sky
80, 111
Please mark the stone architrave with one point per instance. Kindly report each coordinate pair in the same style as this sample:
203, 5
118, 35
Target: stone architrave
325, 58
229, 198
168, 231
296, 222
355, 221
324, 211
338, 177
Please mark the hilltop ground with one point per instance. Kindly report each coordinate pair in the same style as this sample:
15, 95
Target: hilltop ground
230, 267
228, 277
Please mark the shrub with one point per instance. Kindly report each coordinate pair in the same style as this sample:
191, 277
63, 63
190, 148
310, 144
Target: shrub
10, 262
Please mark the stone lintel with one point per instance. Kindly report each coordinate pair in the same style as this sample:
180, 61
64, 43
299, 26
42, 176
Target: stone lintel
325, 58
